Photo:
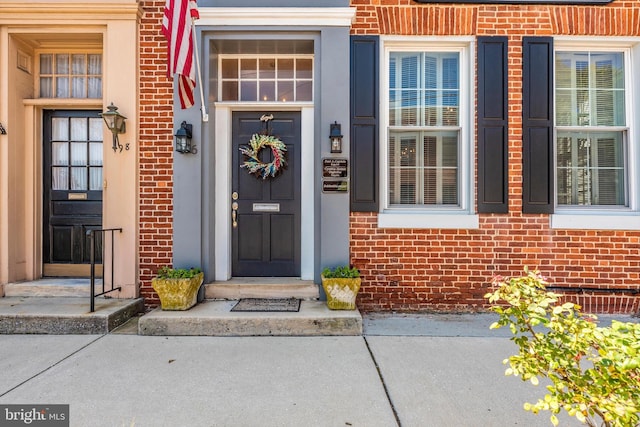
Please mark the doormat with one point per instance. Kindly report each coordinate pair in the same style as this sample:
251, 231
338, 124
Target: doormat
267, 304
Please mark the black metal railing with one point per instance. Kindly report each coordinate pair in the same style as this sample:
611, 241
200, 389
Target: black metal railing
593, 289
92, 244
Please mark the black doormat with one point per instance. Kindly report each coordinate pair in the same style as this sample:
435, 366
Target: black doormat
267, 304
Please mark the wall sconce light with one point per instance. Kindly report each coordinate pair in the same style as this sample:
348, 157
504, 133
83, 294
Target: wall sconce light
183, 139
3, 131
335, 136
116, 124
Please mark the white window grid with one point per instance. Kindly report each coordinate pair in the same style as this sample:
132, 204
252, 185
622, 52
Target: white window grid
72, 74
277, 81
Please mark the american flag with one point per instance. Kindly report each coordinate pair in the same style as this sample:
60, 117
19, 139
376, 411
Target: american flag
176, 27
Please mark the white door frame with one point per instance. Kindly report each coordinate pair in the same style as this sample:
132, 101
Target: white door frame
222, 189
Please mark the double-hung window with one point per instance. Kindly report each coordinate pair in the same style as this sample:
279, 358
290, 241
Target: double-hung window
425, 142
594, 152
591, 129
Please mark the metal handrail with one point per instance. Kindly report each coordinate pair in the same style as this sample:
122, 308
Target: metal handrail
92, 240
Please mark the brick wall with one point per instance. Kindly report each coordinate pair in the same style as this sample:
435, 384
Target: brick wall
428, 268
434, 269
156, 150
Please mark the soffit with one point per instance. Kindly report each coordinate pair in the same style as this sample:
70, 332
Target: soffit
79, 40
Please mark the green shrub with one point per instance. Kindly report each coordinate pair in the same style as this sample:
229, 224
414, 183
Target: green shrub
594, 372
177, 273
343, 271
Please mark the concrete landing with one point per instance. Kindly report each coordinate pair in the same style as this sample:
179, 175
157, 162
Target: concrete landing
215, 318
64, 315
51, 287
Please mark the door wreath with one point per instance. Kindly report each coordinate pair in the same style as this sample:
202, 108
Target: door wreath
252, 161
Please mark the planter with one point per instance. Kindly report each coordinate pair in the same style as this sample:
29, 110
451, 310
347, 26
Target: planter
178, 294
341, 292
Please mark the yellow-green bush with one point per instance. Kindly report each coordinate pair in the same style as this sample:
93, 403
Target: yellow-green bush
593, 371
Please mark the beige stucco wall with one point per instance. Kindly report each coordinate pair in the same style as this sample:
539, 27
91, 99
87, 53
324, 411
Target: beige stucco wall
30, 26
20, 86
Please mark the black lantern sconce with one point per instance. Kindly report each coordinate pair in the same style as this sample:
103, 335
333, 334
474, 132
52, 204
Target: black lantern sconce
116, 124
335, 136
183, 139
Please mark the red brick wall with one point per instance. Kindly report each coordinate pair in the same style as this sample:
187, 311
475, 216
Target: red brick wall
434, 269
156, 150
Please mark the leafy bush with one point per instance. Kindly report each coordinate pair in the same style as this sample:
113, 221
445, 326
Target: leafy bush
343, 271
177, 273
594, 372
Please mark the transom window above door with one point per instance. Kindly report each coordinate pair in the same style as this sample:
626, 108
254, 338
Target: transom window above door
70, 75
266, 78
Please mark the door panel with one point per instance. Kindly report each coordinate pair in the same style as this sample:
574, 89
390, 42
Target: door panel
251, 230
72, 183
286, 226
266, 241
62, 239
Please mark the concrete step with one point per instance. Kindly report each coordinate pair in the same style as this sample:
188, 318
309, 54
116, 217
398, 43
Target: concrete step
51, 287
262, 287
215, 318
65, 315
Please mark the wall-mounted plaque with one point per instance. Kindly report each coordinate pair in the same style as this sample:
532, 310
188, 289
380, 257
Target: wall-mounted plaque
335, 186
335, 168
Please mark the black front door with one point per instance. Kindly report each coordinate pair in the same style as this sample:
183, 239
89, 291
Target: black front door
266, 234
72, 189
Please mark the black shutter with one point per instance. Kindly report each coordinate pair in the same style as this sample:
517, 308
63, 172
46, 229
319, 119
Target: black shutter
364, 123
537, 125
493, 131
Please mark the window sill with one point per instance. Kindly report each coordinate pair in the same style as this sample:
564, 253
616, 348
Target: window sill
425, 220
596, 222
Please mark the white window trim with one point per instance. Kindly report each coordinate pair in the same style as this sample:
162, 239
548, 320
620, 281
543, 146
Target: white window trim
276, 16
462, 217
222, 219
616, 218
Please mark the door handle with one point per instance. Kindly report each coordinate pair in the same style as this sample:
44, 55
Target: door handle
234, 214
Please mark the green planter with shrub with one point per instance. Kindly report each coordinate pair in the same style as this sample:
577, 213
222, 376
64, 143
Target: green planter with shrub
177, 287
341, 285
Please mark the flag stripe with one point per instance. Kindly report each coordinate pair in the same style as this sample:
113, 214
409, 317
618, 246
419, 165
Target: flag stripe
177, 25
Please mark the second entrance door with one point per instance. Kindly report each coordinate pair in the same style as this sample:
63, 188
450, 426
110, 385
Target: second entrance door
72, 186
266, 235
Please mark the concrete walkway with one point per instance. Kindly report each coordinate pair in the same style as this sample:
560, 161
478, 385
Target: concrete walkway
404, 371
